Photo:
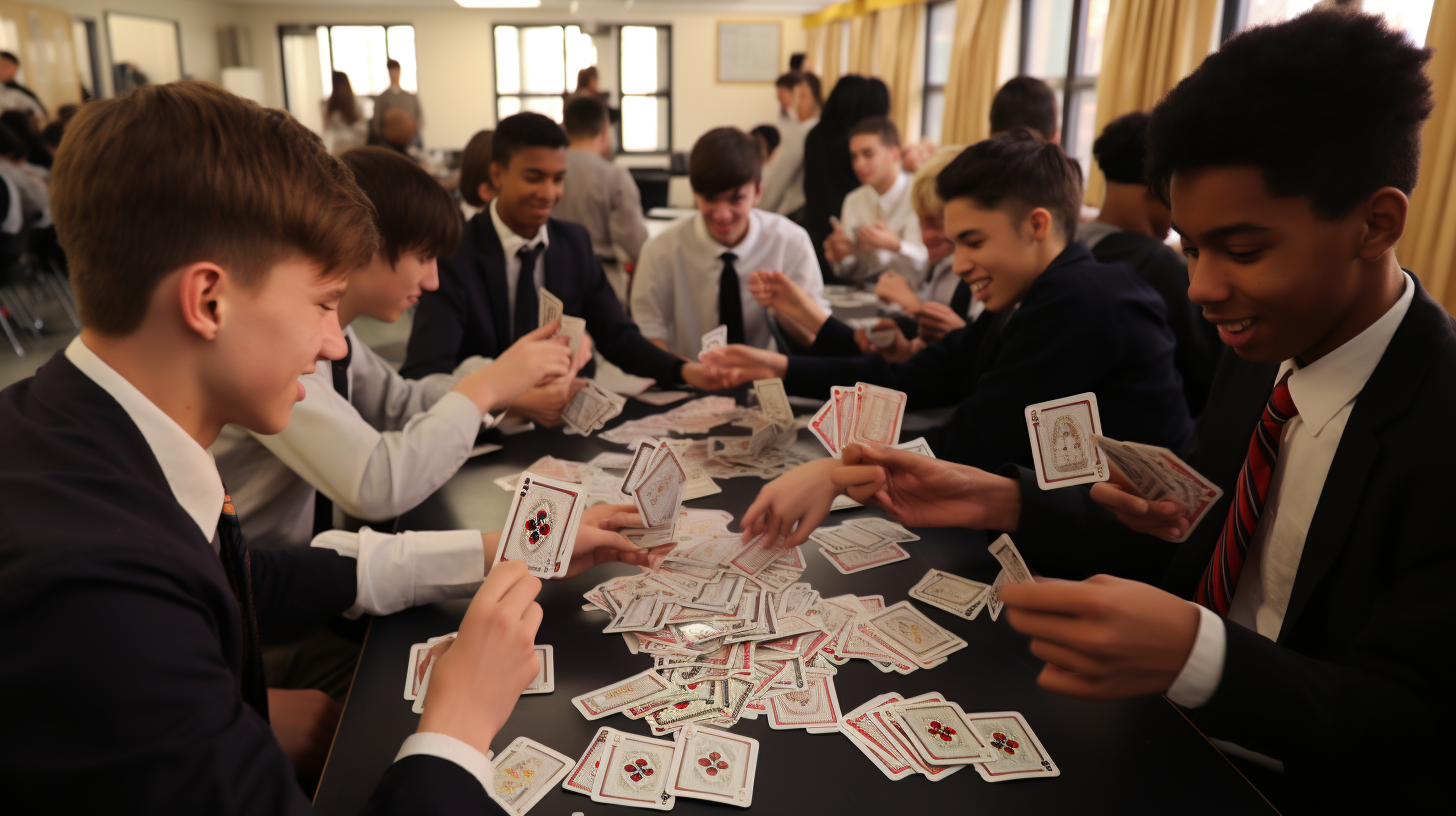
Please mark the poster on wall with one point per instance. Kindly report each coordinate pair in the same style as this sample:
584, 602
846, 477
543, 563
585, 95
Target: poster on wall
748, 52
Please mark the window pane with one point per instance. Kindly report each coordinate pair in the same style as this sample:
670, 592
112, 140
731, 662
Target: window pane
581, 53
549, 105
1049, 37
1096, 33
934, 115
940, 30
544, 66
1275, 11
1084, 127
644, 123
326, 60
360, 52
507, 60
639, 60
507, 106
401, 41
1411, 16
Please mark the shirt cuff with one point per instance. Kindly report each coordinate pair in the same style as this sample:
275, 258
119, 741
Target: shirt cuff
399, 571
1201, 674
450, 749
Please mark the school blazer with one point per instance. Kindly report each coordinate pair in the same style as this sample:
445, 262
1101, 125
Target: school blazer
461, 317
123, 641
1364, 651
1083, 326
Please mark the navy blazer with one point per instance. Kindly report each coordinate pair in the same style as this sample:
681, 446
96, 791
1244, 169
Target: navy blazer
1365, 644
1083, 326
460, 318
124, 641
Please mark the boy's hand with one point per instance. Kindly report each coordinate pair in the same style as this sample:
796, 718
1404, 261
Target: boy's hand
802, 496
535, 359
544, 403
892, 288
1104, 638
1164, 519
937, 320
475, 683
598, 542
922, 492
838, 245
703, 378
304, 721
736, 363
899, 350
878, 236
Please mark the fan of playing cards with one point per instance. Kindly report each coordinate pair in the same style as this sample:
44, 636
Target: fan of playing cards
864, 413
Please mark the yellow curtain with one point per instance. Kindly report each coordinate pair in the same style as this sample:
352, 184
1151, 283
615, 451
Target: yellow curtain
1148, 47
862, 44
975, 57
900, 57
829, 66
814, 48
1428, 247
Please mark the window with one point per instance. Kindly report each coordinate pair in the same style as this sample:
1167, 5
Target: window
1061, 43
312, 53
1411, 16
536, 67
939, 36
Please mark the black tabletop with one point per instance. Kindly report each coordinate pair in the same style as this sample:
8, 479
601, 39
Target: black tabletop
1129, 757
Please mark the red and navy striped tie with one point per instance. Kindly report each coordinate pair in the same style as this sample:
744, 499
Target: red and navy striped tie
1217, 588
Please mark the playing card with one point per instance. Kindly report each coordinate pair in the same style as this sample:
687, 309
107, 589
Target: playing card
573, 329
1019, 754
757, 555
717, 338
659, 494
956, 595
865, 733
545, 680
581, 412
916, 445
637, 615
993, 596
550, 307
914, 635
854, 561
541, 525
419, 706
844, 399
1160, 475
902, 740
773, 401
882, 338
941, 734
1061, 434
1005, 552
883, 528
421, 656
613, 698
815, 709
878, 414
641, 458
523, 773
634, 772
825, 429
661, 398
584, 773
714, 765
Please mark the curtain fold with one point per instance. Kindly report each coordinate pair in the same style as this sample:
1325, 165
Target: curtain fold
1149, 46
901, 55
814, 48
1428, 247
862, 45
975, 58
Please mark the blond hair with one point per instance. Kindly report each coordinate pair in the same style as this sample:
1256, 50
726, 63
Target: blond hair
923, 196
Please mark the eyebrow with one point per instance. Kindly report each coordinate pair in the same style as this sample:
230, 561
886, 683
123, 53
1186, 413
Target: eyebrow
963, 234
1226, 230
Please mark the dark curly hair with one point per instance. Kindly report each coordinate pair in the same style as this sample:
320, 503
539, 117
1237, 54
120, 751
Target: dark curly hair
1017, 172
1327, 105
1122, 148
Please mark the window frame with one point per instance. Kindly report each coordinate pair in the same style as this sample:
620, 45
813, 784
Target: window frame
927, 87
284, 29
1071, 84
660, 94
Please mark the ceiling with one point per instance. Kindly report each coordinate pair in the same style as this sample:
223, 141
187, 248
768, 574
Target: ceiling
596, 7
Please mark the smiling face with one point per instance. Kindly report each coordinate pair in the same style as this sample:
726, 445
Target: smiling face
999, 257
874, 163
1276, 279
529, 187
383, 291
726, 214
932, 235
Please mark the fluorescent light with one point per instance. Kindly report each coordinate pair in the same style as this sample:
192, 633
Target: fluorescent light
499, 3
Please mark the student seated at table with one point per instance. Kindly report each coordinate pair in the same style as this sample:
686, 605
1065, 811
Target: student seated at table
1026, 102
1131, 228
1057, 322
365, 440
1316, 590
877, 229
695, 275
489, 289
132, 607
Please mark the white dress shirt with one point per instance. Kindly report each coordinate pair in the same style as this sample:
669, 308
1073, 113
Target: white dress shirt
511, 243
394, 571
675, 287
862, 208
1324, 393
783, 178
376, 455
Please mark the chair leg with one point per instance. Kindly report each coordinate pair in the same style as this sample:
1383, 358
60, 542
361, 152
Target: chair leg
62, 293
10, 332
13, 298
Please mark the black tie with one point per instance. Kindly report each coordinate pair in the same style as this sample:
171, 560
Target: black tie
233, 550
730, 306
960, 301
323, 509
528, 312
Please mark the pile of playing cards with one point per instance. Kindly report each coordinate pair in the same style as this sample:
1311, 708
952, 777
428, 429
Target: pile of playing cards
541, 525
935, 738
862, 544
865, 413
591, 408
655, 481
701, 763
697, 416
422, 659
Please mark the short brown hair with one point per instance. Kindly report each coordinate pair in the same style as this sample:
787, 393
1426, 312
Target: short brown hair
169, 175
1016, 172
412, 212
475, 167
877, 126
584, 117
724, 159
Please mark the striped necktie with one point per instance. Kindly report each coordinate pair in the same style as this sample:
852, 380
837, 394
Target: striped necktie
1216, 590
233, 550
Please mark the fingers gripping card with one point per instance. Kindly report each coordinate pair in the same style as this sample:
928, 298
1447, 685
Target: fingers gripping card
541, 525
1062, 447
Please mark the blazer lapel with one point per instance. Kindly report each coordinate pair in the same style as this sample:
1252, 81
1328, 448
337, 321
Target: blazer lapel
493, 265
554, 275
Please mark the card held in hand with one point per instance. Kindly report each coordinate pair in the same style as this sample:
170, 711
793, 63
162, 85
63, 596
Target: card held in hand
717, 338
1159, 475
541, 525
878, 414
551, 308
659, 493
1062, 447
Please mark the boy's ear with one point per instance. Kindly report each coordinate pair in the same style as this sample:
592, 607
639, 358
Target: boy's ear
1039, 223
1383, 214
200, 288
497, 174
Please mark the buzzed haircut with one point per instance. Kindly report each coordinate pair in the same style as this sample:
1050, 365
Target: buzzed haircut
877, 126
523, 130
475, 167
412, 212
391, 64
1025, 102
796, 61
787, 81
585, 116
11, 145
1328, 105
724, 159
1016, 172
247, 188
6, 55
1122, 149
770, 136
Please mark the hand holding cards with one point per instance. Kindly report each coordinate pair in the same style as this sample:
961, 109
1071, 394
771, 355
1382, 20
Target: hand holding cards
864, 413
1159, 475
1062, 448
541, 525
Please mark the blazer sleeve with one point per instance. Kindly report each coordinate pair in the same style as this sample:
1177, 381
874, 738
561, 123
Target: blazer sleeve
933, 377
451, 790
613, 331
439, 325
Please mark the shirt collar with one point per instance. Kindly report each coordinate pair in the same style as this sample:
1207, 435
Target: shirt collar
511, 243
190, 471
700, 228
1322, 388
896, 192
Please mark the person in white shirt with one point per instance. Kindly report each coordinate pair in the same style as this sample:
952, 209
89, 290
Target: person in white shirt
364, 441
877, 229
695, 275
783, 178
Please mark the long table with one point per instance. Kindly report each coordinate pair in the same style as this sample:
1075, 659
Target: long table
1129, 757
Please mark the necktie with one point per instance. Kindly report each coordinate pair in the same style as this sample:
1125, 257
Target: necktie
960, 300
1217, 588
237, 565
730, 305
323, 509
528, 313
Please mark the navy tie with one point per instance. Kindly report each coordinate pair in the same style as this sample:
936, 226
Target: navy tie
730, 303
233, 550
528, 312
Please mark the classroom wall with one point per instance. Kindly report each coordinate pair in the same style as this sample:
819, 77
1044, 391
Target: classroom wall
199, 21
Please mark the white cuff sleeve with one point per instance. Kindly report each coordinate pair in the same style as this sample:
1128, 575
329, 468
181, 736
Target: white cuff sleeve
409, 569
450, 749
1200, 676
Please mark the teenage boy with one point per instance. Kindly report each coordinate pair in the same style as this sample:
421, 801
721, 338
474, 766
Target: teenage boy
877, 227
395, 98
783, 178
489, 290
600, 195
1026, 102
1316, 591
695, 275
1056, 322
125, 576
